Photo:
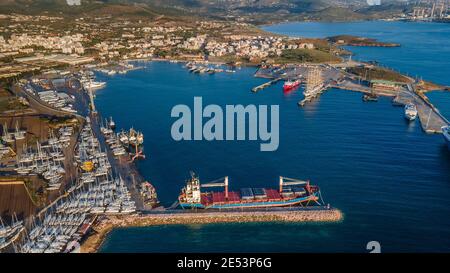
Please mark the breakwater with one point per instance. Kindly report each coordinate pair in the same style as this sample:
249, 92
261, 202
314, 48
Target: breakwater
104, 226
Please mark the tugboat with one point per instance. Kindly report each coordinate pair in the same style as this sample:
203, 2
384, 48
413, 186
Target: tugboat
446, 134
410, 111
291, 192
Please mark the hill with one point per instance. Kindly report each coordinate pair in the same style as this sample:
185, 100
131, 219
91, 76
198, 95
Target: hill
254, 11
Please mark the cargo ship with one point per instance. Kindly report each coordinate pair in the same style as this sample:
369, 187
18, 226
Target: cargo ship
291, 192
290, 85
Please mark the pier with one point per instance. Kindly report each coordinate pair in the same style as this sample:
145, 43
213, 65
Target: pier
430, 118
265, 85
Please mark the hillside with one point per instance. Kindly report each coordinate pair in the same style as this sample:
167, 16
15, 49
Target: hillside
254, 11
88, 7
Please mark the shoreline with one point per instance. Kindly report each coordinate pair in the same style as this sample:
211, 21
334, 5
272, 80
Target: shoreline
101, 229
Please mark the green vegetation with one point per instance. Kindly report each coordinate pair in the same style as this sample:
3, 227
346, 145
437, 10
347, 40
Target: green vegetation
35, 189
10, 104
358, 41
161, 53
377, 73
336, 14
306, 56
55, 121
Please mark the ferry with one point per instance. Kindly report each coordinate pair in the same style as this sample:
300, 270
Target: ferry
446, 134
291, 192
290, 85
410, 111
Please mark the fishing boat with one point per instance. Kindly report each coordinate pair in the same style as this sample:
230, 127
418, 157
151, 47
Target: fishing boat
410, 111
446, 134
291, 192
290, 85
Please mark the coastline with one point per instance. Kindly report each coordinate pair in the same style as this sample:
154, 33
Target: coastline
104, 226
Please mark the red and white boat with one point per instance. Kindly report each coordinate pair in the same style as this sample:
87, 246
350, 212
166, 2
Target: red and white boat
290, 85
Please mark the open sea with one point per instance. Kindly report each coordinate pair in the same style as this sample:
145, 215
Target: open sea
390, 179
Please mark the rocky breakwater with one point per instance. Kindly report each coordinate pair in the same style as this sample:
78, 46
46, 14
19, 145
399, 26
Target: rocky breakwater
105, 225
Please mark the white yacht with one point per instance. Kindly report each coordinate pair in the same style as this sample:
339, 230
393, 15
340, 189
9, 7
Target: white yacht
94, 85
410, 111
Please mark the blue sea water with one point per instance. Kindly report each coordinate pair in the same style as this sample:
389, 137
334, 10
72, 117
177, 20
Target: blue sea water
391, 180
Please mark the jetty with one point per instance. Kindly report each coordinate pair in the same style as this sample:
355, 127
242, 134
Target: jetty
265, 85
430, 118
174, 217
335, 77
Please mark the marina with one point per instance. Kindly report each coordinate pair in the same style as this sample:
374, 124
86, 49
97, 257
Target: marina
207, 68
72, 160
98, 191
344, 117
9, 233
360, 154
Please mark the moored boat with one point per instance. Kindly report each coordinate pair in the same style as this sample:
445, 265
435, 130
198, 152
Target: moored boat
446, 134
290, 85
410, 111
370, 97
111, 124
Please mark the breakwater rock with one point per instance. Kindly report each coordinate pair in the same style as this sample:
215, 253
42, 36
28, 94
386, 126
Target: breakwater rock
104, 226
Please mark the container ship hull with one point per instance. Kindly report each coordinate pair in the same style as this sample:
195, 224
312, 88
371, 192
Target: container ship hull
291, 193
